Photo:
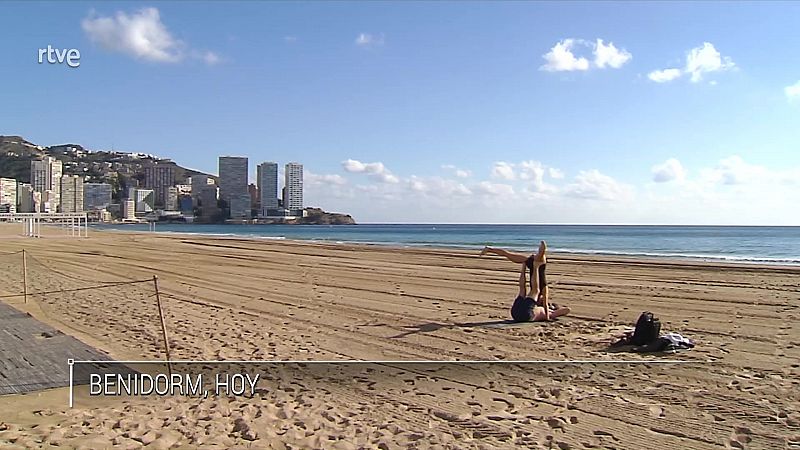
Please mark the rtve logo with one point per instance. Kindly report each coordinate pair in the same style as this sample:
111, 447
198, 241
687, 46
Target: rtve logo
70, 57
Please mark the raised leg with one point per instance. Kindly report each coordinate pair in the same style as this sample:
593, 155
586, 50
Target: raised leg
537, 264
522, 284
517, 258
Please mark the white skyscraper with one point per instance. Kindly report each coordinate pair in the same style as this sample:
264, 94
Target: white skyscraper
267, 180
46, 176
71, 194
8, 195
293, 190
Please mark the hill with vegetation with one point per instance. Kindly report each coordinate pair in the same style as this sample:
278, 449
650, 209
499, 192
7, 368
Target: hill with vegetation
113, 167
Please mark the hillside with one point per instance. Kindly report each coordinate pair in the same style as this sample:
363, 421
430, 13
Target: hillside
316, 216
113, 167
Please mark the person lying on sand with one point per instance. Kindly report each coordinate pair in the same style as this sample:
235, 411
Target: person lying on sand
525, 308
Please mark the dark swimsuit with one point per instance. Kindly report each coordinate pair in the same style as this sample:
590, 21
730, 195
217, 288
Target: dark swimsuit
522, 309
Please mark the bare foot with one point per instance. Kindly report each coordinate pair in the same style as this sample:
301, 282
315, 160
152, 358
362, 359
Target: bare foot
541, 256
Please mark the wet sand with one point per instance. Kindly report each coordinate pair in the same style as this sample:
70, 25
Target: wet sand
237, 299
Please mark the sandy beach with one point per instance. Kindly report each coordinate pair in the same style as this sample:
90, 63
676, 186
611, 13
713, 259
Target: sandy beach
238, 299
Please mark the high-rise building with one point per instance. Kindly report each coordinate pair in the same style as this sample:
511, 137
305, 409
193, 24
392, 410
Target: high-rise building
171, 201
96, 196
46, 176
129, 209
232, 176
205, 199
255, 200
233, 185
239, 206
71, 194
8, 194
293, 193
198, 183
160, 177
29, 200
267, 180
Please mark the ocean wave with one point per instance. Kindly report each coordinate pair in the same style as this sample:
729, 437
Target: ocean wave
704, 256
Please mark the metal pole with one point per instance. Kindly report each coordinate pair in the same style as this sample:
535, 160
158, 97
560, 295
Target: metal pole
25, 275
163, 325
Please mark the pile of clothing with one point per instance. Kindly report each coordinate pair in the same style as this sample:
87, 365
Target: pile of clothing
646, 337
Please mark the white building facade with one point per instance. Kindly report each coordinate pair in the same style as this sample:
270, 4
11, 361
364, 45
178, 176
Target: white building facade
71, 194
293, 189
46, 179
8, 195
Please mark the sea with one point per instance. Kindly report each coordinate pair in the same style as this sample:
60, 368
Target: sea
746, 244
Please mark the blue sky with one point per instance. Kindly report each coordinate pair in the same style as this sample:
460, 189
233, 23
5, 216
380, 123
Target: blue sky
438, 111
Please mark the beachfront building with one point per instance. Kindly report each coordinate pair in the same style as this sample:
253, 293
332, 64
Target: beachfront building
198, 183
71, 194
8, 195
129, 209
144, 200
239, 206
171, 200
185, 205
29, 199
267, 180
96, 196
233, 179
255, 200
46, 180
160, 177
293, 189
204, 196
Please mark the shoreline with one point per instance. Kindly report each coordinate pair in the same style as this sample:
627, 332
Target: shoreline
576, 255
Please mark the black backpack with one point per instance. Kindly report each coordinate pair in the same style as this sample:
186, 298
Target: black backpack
648, 328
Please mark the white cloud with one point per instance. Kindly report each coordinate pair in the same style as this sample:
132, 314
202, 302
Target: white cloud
140, 34
208, 57
376, 169
560, 58
792, 92
323, 179
555, 174
699, 61
290, 39
593, 185
495, 189
436, 186
460, 173
504, 171
669, 170
609, 55
369, 40
706, 59
662, 76
734, 170
534, 172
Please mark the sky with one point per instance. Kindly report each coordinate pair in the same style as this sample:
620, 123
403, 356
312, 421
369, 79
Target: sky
437, 112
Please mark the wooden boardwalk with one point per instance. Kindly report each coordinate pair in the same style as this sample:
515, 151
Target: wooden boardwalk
33, 356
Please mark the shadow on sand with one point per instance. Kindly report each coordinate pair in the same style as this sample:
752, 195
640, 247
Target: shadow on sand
434, 326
